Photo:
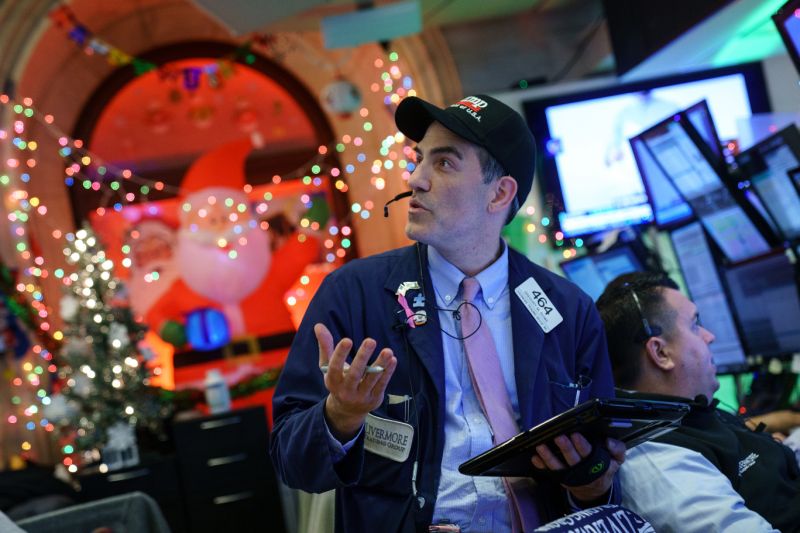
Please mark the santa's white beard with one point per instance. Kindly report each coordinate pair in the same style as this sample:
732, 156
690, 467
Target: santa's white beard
208, 269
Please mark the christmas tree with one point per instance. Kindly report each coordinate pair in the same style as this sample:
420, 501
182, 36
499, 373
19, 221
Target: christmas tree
107, 382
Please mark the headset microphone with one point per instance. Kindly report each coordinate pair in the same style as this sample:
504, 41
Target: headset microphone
398, 197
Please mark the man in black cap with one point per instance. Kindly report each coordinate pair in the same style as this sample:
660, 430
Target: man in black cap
436, 352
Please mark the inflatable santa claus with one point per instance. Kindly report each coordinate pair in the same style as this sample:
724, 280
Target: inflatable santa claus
229, 282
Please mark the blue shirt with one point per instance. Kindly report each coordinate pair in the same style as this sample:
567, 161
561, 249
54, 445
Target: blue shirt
473, 503
679, 490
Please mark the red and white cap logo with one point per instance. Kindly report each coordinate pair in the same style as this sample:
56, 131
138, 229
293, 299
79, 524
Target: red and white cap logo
472, 105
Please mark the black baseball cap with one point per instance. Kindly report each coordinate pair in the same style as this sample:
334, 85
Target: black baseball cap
481, 120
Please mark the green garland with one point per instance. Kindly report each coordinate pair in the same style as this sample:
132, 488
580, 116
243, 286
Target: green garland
256, 383
20, 308
187, 399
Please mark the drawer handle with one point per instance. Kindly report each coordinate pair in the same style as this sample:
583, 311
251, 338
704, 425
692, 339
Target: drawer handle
219, 461
230, 498
222, 422
133, 474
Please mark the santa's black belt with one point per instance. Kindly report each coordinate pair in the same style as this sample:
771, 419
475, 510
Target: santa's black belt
242, 346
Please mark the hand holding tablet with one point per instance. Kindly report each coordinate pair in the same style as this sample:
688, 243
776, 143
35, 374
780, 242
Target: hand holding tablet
629, 421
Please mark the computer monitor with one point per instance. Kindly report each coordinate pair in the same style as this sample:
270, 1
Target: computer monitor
765, 299
787, 20
678, 149
794, 173
669, 207
700, 117
587, 165
593, 272
706, 291
766, 167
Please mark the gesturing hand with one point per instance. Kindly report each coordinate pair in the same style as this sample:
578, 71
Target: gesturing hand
352, 391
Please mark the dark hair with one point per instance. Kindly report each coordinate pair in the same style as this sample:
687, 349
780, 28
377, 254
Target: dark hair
492, 170
624, 322
490, 167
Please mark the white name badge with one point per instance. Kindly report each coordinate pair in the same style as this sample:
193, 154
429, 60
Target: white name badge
539, 305
388, 438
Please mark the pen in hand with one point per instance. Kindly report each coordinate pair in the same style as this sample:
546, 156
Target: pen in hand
369, 370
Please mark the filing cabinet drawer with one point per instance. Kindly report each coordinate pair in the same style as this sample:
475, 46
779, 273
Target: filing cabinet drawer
246, 509
228, 479
222, 435
241, 467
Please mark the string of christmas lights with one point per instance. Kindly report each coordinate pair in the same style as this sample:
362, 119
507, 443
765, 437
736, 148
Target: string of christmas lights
96, 174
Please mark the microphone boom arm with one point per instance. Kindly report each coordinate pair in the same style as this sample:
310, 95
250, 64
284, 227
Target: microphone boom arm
396, 198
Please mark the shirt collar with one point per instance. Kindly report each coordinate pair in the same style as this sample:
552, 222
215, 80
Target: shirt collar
446, 277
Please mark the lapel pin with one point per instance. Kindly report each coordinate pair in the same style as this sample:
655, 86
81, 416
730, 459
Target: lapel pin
413, 318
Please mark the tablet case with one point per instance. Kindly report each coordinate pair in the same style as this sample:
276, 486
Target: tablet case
631, 421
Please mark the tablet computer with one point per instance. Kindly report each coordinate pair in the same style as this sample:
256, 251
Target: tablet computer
629, 420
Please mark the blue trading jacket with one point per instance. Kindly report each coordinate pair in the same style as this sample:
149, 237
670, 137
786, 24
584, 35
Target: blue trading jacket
358, 301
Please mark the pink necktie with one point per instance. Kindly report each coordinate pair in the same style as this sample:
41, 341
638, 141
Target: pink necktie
490, 388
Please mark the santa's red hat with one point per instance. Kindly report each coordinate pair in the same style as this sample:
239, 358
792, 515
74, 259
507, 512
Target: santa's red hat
221, 167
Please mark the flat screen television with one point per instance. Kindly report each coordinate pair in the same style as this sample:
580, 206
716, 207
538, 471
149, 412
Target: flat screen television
593, 273
669, 207
700, 116
795, 175
587, 164
787, 20
739, 232
768, 169
766, 300
700, 273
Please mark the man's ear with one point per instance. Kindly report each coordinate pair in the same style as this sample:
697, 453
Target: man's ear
658, 353
505, 189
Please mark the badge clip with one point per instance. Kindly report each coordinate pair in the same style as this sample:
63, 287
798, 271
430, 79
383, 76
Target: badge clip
415, 317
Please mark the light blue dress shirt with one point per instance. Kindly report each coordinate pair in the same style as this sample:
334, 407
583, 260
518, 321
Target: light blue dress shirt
679, 491
476, 504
